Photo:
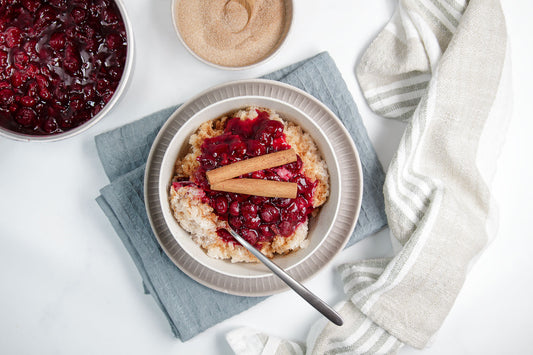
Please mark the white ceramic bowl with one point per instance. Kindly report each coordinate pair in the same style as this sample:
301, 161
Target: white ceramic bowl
119, 93
319, 225
273, 51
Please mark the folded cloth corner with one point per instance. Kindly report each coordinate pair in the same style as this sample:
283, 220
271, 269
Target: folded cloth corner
189, 306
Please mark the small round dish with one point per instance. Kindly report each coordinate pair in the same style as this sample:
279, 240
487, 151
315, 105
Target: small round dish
85, 68
339, 214
244, 48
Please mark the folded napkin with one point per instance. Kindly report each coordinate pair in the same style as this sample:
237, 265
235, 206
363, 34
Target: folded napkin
189, 306
442, 66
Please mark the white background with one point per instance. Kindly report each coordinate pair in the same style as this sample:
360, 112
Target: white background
70, 287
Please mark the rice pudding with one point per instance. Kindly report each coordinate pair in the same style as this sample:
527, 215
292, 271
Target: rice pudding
275, 226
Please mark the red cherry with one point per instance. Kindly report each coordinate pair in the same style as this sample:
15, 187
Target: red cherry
26, 116
50, 125
248, 210
32, 70
258, 174
20, 59
286, 228
91, 45
88, 92
302, 184
235, 222
18, 79
252, 223
81, 116
45, 94
225, 235
282, 202
31, 5
249, 235
60, 94
7, 97
71, 61
115, 73
234, 208
76, 101
3, 59
58, 40
109, 17
255, 148
207, 163
296, 166
78, 15
237, 149
28, 101
33, 89
65, 123
13, 107
290, 213
42, 81
45, 16
265, 232
13, 36
102, 85
113, 41
257, 200
60, 4
268, 130
301, 202
221, 205
269, 213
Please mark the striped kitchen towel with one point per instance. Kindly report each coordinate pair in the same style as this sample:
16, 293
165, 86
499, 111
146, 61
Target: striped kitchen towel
442, 66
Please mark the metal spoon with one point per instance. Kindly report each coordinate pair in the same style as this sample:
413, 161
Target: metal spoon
300, 289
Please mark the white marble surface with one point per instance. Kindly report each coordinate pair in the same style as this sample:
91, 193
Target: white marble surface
69, 286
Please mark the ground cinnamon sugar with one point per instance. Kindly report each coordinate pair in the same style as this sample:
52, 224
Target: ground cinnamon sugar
227, 33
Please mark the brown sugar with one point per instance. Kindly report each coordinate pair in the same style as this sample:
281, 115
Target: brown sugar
228, 33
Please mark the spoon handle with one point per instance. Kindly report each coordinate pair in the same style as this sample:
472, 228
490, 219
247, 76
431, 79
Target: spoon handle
300, 289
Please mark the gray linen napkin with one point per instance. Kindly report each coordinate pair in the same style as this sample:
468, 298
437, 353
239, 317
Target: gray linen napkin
444, 67
189, 306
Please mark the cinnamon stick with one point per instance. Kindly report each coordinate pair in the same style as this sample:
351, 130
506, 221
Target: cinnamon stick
258, 187
242, 167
